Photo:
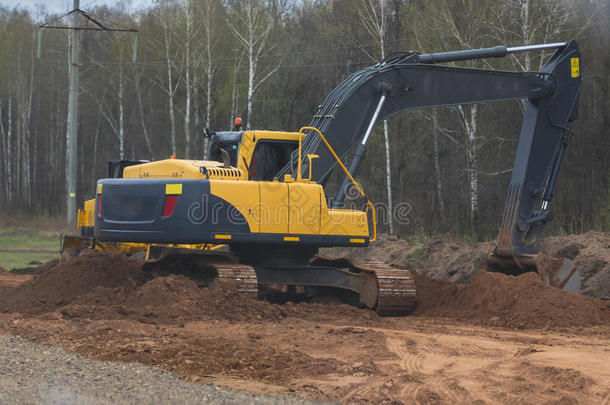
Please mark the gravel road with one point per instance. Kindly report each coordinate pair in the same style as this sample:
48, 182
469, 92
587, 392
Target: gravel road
35, 374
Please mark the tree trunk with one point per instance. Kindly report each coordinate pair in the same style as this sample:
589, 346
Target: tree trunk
170, 90
251, 72
388, 177
4, 162
525, 30
208, 102
437, 166
28, 123
142, 120
234, 96
189, 89
9, 168
472, 164
121, 117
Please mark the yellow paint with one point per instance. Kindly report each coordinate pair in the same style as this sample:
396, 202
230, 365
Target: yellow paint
99, 188
369, 204
291, 238
345, 222
305, 206
243, 195
274, 207
575, 67
89, 212
356, 240
224, 237
184, 169
173, 189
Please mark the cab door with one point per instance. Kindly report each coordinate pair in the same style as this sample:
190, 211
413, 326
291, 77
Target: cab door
304, 208
274, 207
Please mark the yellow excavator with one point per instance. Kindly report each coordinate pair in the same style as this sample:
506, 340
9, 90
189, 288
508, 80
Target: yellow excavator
256, 213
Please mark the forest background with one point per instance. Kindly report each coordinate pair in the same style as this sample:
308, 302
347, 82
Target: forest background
200, 63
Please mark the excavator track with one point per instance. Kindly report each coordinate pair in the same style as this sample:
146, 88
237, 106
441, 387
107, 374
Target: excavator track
237, 276
387, 290
395, 288
209, 269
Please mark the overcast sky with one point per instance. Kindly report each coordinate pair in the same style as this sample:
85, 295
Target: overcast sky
41, 7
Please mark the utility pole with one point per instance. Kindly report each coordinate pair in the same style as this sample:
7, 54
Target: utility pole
72, 131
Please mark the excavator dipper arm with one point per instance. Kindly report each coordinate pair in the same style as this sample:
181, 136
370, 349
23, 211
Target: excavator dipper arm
414, 81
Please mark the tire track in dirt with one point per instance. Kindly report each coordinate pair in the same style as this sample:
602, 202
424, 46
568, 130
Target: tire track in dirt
602, 391
435, 379
364, 391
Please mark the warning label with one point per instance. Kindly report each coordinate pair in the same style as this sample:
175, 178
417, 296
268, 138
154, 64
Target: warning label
575, 67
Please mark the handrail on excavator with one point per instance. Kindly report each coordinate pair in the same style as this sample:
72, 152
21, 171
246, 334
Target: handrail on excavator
347, 173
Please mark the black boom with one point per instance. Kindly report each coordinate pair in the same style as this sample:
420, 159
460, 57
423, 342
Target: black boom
414, 81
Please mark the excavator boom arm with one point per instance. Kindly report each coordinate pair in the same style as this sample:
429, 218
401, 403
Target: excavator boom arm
414, 81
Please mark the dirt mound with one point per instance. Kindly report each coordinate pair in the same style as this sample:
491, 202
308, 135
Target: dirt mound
170, 300
590, 252
65, 282
443, 257
446, 257
100, 286
507, 301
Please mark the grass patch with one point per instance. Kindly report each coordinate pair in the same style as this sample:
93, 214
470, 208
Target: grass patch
417, 254
29, 242
14, 260
14, 238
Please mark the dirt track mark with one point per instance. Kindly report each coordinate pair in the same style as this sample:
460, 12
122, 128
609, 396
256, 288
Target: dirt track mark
428, 365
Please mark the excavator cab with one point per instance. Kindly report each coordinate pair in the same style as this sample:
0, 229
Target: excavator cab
228, 141
270, 153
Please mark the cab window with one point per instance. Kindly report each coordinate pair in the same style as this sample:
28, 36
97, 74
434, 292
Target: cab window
269, 157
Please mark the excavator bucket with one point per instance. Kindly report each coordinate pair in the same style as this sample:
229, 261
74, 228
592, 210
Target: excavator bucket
556, 272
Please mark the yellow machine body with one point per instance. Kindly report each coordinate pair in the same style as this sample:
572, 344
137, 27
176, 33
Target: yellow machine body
293, 208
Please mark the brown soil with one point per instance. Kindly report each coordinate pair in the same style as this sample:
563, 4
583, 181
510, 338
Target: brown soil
508, 301
498, 339
445, 257
63, 283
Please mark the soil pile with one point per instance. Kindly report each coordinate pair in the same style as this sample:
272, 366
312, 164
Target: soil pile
445, 257
442, 257
523, 302
173, 299
99, 286
53, 288
590, 252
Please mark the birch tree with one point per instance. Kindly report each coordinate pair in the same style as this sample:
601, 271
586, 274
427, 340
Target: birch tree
147, 138
210, 42
191, 62
374, 15
464, 31
166, 81
252, 23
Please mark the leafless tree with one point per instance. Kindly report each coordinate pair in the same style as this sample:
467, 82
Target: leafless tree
253, 21
374, 15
